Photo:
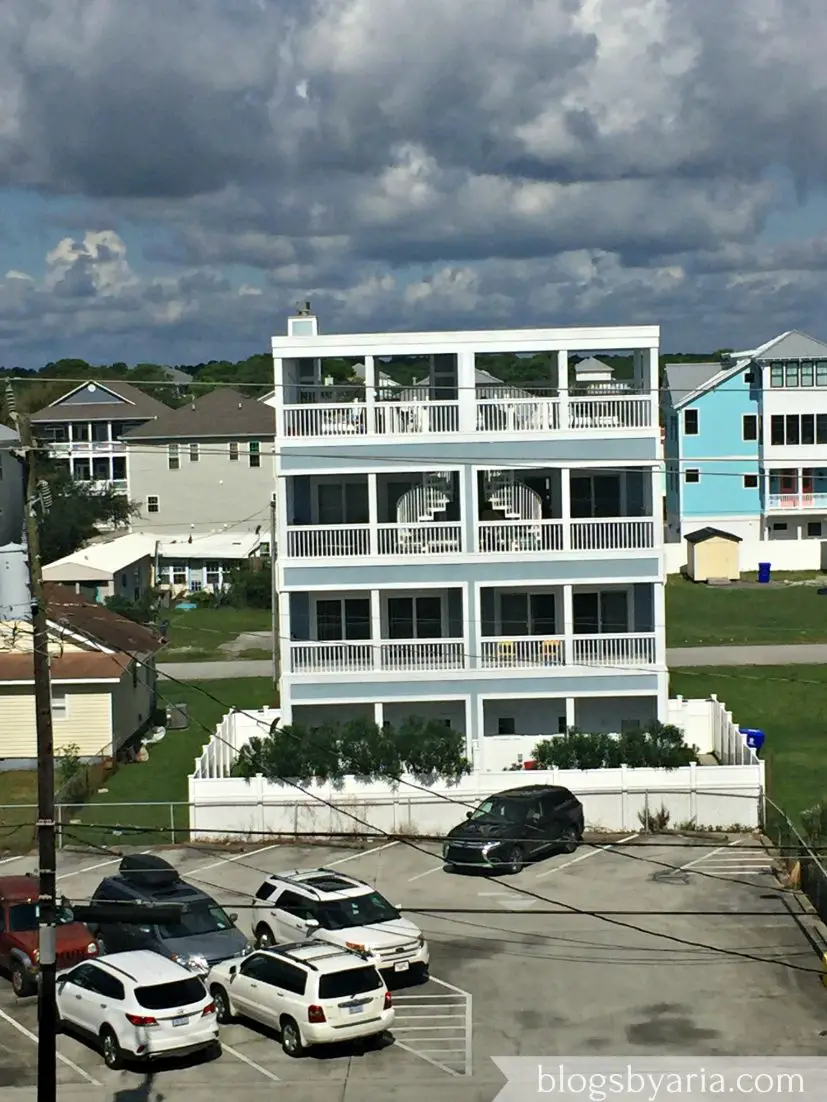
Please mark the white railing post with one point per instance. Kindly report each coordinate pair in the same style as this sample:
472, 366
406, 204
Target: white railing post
376, 629
565, 507
373, 507
563, 389
568, 624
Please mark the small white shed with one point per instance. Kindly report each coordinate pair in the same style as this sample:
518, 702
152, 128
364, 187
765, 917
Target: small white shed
713, 555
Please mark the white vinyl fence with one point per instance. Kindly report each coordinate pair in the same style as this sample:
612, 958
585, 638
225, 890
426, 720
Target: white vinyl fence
719, 796
780, 554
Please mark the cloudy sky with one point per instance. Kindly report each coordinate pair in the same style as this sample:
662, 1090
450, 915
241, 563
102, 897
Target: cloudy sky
175, 174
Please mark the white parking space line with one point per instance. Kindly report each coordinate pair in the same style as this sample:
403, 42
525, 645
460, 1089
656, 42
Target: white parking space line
250, 1063
583, 857
20, 857
436, 1028
63, 1059
236, 857
92, 868
707, 856
363, 853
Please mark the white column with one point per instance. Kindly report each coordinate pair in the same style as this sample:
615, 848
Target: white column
570, 713
370, 393
378, 713
475, 740
568, 624
651, 371
280, 551
375, 627
466, 385
565, 506
285, 664
278, 396
659, 618
563, 387
373, 512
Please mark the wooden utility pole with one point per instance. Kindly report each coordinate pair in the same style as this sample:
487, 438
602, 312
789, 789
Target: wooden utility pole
47, 943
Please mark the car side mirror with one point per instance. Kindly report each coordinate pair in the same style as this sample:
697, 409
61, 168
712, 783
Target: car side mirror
468, 814
311, 924
233, 918
233, 970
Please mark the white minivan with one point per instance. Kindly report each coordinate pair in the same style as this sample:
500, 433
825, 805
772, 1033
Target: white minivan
137, 1006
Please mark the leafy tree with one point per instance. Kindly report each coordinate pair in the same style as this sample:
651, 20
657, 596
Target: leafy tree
75, 513
144, 611
251, 585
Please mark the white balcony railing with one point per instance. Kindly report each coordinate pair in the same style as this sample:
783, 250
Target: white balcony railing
490, 415
511, 536
430, 654
612, 535
350, 657
796, 501
523, 652
328, 541
614, 650
416, 418
439, 538
324, 419
628, 412
518, 415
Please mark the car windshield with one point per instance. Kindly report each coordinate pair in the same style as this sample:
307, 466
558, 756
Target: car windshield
354, 981
170, 996
359, 910
26, 916
207, 919
497, 808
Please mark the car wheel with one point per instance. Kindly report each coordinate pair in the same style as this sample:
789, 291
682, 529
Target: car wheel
568, 840
264, 937
422, 973
515, 861
291, 1038
112, 1055
223, 1013
21, 981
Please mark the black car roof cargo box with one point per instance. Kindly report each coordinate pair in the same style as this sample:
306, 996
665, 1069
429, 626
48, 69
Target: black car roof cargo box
145, 870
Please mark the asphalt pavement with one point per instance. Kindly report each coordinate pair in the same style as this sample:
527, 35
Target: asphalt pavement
800, 654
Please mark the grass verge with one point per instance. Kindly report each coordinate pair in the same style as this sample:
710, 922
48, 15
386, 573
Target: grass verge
201, 631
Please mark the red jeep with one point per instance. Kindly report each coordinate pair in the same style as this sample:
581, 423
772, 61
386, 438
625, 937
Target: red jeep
19, 936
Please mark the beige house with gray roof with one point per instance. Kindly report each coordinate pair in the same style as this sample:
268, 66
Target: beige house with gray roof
206, 467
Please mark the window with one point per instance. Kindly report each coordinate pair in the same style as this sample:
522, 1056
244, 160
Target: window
169, 996
791, 375
299, 906
601, 613
795, 429
749, 430
60, 703
506, 725
814, 529
213, 573
779, 526
414, 617
198, 920
108, 985
179, 573
233, 451
193, 453
153, 504
821, 373
692, 475
346, 984
264, 549
807, 374
750, 481
338, 619
255, 967
265, 891
195, 586
255, 453
343, 503
527, 614
287, 977
776, 375
356, 910
173, 459
690, 422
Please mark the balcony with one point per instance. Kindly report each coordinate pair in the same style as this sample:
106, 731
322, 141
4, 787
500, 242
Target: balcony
328, 541
441, 538
512, 536
522, 653
488, 416
343, 541
791, 502
386, 656
620, 534
614, 650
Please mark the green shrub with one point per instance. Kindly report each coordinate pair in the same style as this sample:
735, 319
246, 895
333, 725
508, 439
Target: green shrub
661, 747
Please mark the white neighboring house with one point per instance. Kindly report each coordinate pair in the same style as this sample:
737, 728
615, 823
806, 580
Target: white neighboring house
122, 567
188, 564
484, 555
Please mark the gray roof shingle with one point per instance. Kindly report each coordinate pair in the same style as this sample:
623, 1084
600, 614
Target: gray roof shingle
139, 406
683, 379
220, 412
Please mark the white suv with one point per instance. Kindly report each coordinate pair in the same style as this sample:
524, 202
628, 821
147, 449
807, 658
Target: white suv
138, 1005
327, 905
313, 994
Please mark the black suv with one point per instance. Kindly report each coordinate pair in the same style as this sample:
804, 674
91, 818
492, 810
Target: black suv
203, 934
513, 827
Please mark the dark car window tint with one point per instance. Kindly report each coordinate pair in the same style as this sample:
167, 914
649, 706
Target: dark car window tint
255, 966
358, 910
296, 905
281, 974
169, 996
265, 891
83, 976
103, 983
354, 981
496, 807
205, 919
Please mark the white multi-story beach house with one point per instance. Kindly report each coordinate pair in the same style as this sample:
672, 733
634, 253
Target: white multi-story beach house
488, 554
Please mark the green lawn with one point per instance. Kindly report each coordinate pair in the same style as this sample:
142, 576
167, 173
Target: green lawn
705, 616
18, 788
198, 634
788, 703
130, 793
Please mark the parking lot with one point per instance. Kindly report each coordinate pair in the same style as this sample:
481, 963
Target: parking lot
508, 978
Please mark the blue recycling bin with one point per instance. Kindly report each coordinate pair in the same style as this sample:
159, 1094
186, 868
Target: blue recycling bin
754, 737
764, 572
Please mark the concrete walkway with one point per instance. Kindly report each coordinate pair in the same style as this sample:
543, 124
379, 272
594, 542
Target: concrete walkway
777, 655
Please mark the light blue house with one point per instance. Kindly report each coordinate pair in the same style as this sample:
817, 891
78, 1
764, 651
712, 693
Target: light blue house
745, 442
